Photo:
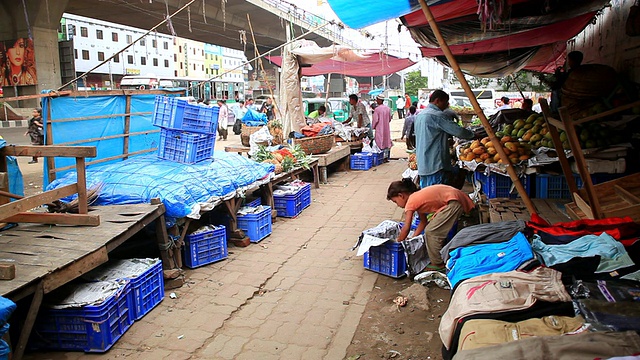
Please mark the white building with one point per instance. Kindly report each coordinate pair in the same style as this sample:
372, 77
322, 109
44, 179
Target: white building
232, 61
190, 58
95, 40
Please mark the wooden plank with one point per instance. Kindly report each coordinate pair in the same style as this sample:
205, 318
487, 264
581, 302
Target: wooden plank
110, 137
237, 148
578, 156
49, 150
81, 175
28, 203
632, 211
607, 113
562, 157
18, 352
105, 116
626, 195
36, 96
556, 123
574, 212
55, 219
74, 270
99, 161
7, 271
583, 206
4, 181
127, 126
336, 153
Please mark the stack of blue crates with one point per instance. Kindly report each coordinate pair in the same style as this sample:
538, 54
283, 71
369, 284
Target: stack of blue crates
95, 328
91, 328
291, 205
188, 132
499, 186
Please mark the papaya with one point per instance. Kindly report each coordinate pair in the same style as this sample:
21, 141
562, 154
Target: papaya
484, 140
518, 124
506, 139
499, 134
531, 118
496, 157
474, 144
536, 129
527, 136
488, 161
479, 150
491, 151
484, 156
507, 130
527, 126
511, 146
523, 157
539, 121
536, 137
489, 144
521, 133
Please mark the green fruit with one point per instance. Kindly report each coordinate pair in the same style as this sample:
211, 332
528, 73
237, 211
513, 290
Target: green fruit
536, 129
531, 118
521, 132
584, 135
518, 123
566, 145
527, 126
536, 137
548, 136
508, 129
539, 121
499, 134
563, 136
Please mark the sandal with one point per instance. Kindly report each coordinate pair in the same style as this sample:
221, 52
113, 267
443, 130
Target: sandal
432, 267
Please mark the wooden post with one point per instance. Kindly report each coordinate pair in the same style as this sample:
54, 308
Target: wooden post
476, 106
29, 321
51, 164
83, 206
127, 126
564, 163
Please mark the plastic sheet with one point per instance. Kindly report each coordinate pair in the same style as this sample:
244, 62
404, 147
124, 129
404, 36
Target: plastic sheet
254, 118
102, 117
16, 184
185, 189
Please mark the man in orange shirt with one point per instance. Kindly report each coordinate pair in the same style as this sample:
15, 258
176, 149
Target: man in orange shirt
445, 202
407, 103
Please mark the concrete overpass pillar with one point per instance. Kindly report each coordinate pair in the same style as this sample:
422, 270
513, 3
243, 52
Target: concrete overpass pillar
43, 21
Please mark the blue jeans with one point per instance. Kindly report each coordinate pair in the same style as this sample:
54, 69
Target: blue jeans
433, 179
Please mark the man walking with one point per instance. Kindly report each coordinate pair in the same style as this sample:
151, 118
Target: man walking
400, 103
432, 127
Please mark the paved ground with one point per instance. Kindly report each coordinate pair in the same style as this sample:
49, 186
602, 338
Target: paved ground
298, 294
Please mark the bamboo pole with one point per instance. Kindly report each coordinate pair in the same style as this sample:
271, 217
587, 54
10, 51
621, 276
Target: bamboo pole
276, 108
476, 106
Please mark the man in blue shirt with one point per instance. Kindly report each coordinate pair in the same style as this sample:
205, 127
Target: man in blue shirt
432, 128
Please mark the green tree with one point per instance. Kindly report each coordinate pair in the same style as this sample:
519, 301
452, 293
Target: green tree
476, 82
413, 82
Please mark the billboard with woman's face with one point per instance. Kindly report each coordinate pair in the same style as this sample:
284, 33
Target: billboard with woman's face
17, 63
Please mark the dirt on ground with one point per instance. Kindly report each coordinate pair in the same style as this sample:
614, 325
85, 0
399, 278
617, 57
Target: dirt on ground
387, 331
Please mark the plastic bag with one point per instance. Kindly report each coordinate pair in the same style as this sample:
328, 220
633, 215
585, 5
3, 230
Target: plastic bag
259, 136
254, 118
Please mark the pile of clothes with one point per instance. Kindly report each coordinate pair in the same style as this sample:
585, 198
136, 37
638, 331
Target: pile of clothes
532, 290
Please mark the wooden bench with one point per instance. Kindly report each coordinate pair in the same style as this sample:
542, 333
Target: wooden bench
240, 149
338, 154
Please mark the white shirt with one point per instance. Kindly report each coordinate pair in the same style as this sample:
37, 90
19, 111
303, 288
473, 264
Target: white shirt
537, 108
401, 102
223, 117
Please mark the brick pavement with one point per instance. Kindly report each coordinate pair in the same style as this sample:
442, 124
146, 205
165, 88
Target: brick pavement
298, 294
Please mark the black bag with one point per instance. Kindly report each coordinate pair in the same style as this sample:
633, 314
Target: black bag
237, 127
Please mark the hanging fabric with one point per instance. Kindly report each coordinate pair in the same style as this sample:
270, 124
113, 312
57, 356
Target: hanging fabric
633, 21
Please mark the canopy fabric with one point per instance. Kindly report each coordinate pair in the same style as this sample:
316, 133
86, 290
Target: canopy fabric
473, 29
563, 30
374, 65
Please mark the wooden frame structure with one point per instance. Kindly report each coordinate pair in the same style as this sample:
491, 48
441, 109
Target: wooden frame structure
620, 197
17, 211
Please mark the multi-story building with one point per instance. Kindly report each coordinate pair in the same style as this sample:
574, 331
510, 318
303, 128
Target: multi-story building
190, 59
93, 41
88, 42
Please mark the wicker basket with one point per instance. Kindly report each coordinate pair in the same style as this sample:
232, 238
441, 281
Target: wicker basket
316, 144
246, 132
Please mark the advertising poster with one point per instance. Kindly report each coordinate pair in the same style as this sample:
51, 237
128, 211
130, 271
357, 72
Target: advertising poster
17, 62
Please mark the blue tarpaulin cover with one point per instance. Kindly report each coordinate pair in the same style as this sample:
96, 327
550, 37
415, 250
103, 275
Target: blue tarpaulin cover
254, 118
16, 185
185, 189
7, 307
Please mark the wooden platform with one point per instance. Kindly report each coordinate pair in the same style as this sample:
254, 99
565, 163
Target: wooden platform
338, 154
47, 257
503, 209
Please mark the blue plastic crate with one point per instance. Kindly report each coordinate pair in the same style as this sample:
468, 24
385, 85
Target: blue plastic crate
378, 158
387, 259
556, 187
256, 226
89, 328
253, 203
178, 114
450, 235
148, 290
305, 196
205, 247
361, 161
184, 147
499, 186
288, 205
